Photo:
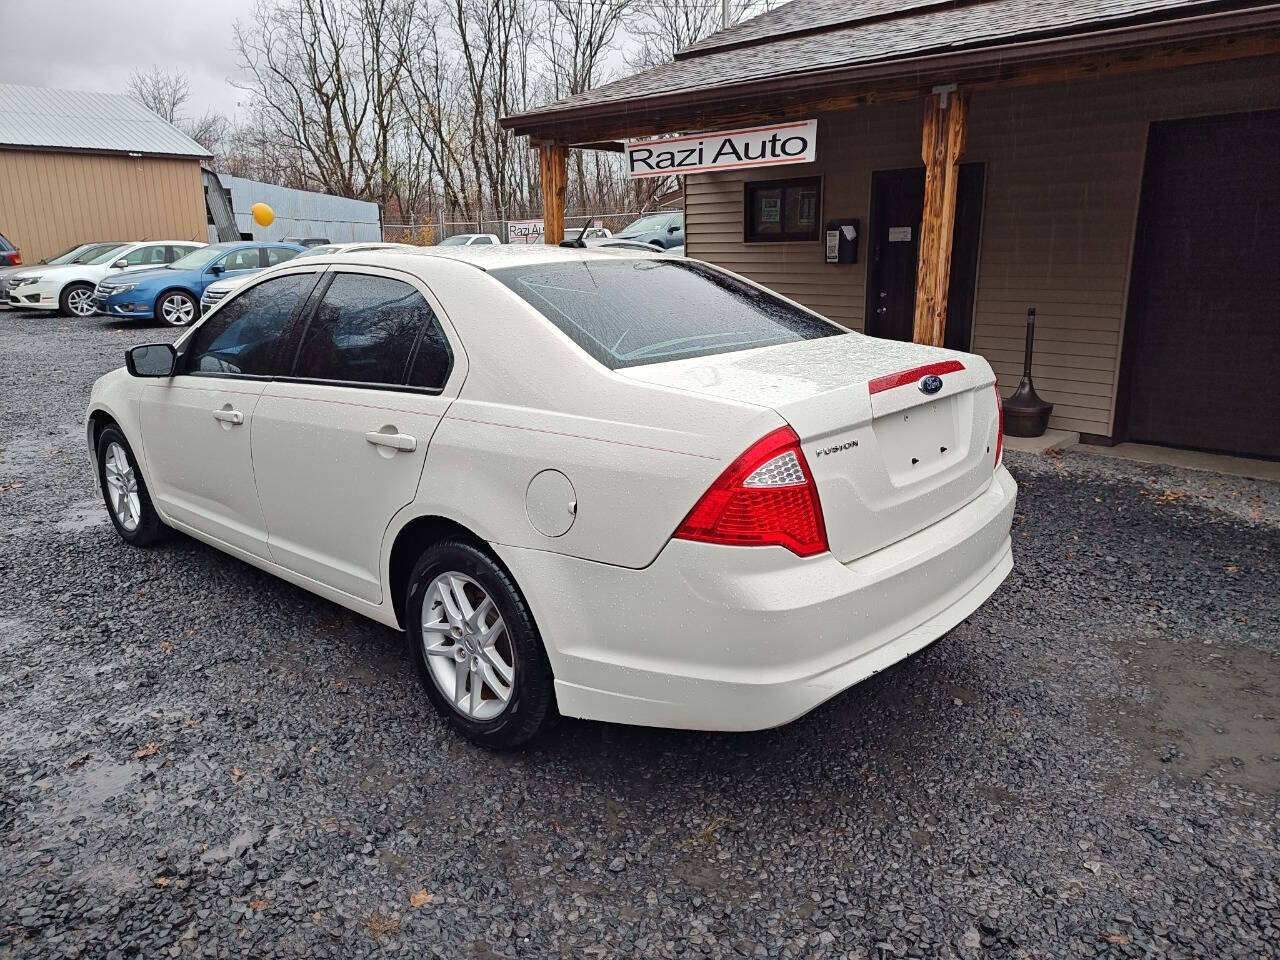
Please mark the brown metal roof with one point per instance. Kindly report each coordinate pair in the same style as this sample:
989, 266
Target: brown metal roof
826, 43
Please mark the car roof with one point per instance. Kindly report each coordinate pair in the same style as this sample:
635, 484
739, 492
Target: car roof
485, 257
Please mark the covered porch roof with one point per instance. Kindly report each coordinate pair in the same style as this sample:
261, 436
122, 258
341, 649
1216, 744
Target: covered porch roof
818, 55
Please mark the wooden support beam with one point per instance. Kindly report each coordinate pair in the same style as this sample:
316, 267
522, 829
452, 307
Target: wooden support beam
552, 163
945, 116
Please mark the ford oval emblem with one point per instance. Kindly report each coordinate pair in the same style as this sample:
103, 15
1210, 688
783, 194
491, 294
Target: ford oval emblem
931, 384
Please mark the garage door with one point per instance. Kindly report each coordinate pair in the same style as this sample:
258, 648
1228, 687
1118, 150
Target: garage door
1202, 351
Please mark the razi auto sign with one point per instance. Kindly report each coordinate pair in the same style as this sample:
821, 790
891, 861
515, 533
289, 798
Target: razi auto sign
769, 146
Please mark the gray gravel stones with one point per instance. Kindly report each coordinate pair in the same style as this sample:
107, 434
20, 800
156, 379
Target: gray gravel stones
197, 760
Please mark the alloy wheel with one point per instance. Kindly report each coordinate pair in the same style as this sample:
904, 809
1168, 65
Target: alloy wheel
122, 488
177, 310
467, 647
80, 302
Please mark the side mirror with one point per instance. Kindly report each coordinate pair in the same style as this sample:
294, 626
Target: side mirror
151, 360
674, 228
119, 264
216, 269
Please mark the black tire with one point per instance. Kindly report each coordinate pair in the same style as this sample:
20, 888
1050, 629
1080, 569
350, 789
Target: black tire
76, 291
149, 528
189, 315
531, 709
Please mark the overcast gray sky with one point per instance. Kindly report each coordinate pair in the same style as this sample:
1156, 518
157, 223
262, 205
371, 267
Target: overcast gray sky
96, 44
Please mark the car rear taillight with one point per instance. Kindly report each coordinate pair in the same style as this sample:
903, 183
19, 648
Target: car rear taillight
13, 258
999, 427
766, 497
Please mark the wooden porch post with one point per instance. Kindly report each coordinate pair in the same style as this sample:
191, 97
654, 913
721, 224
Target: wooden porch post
552, 158
945, 115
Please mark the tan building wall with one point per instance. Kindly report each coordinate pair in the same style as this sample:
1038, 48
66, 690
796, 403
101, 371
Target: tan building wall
50, 201
1063, 179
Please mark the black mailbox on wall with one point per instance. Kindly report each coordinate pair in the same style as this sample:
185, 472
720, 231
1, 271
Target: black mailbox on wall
841, 241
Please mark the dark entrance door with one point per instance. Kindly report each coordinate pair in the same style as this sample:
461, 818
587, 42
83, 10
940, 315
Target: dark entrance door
897, 207
1202, 338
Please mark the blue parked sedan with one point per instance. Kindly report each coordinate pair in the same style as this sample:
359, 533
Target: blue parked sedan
172, 293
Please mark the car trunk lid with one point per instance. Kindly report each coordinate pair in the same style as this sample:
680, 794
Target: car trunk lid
888, 457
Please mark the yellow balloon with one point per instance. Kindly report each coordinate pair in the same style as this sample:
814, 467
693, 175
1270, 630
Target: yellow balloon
263, 215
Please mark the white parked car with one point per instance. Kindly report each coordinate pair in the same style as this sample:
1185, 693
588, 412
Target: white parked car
678, 500
470, 240
214, 292
68, 288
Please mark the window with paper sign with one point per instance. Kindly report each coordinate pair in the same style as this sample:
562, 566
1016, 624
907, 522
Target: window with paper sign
783, 210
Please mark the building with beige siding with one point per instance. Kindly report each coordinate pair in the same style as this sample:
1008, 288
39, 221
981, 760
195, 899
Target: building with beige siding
1114, 164
78, 167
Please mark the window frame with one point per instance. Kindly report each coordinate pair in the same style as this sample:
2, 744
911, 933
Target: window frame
750, 186
290, 340
304, 305
300, 324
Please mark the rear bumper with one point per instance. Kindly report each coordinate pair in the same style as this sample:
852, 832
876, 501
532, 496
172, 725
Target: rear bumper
726, 638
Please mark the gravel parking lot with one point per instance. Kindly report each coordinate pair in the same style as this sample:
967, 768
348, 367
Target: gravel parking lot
199, 760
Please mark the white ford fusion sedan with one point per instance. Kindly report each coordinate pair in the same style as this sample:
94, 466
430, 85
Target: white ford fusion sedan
630, 488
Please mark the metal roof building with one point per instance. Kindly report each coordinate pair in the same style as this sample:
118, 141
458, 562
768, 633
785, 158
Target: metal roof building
77, 167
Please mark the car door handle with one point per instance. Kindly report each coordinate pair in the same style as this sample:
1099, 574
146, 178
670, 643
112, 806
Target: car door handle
396, 441
229, 416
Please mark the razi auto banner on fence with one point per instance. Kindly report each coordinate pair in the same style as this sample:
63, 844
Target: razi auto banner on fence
776, 144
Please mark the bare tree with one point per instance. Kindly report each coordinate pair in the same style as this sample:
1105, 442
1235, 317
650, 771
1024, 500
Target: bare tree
325, 77
163, 92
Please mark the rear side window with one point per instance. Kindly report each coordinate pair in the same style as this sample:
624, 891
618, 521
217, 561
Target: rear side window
365, 330
279, 255
636, 311
240, 339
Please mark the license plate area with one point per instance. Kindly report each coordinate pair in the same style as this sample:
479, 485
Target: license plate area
920, 441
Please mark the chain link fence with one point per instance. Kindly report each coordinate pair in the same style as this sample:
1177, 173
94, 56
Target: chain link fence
426, 233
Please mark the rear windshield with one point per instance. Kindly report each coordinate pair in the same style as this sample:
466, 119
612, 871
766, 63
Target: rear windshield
636, 311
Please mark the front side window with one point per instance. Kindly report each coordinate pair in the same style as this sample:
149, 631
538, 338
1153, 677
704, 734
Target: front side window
782, 210
152, 255
364, 331
177, 251
635, 310
246, 258
240, 339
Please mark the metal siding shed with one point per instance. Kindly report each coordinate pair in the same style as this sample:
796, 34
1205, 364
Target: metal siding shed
302, 213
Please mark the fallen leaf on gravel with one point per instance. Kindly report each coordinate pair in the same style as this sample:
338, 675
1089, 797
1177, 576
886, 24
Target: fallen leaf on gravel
419, 899
260, 904
165, 646
1115, 938
6, 487
162, 881
237, 772
708, 834
379, 924
148, 751
1232, 568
